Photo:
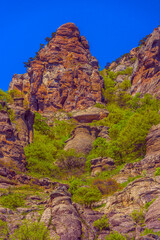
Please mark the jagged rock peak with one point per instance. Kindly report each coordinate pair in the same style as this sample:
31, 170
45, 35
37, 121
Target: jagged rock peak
69, 30
63, 76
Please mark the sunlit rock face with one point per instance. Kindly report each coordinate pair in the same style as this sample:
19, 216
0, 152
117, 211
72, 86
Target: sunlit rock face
147, 72
64, 75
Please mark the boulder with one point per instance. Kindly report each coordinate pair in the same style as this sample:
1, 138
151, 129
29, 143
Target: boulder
101, 164
82, 139
89, 114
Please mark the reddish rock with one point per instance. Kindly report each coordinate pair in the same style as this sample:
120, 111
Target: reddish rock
11, 149
64, 75
146, 76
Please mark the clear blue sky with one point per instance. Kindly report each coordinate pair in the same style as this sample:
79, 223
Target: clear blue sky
111, 27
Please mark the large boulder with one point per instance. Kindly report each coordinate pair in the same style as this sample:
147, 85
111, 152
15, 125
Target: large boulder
89, 114
82, 139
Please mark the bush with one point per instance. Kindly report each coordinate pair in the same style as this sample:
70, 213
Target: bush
31, 231
3, 230
115, 236
48, 144
138, 216
157, 172
87, 195
102, 223
70, 159
12, 200
150, 231
74, 185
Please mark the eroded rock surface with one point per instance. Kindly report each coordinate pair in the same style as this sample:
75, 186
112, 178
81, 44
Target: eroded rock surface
11, 149
67, 220
64, 75
89, 114
147, 73
101, 164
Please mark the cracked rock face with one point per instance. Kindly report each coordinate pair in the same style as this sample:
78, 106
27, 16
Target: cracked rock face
64, 76
147, 73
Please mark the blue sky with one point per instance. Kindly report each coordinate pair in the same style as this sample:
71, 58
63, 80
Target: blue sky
111, 27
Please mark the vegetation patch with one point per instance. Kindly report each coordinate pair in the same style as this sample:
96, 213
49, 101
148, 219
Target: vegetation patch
12, 200
157, 172
102, 223
138, 216
31, 231
87, 195
115, 236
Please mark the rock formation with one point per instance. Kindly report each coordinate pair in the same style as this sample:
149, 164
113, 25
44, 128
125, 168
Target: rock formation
15, 135
146, 76
11, 149
64, 75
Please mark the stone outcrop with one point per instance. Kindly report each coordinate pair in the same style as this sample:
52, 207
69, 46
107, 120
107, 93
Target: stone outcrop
64, 75
82, 139
15, 135
101, 164
83, 136
11, 149
89, 114
119, 206
145, 78
69, 221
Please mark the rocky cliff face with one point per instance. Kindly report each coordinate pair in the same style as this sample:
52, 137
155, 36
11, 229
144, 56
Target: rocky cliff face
146, 76
145, 61
14, 136
64, 76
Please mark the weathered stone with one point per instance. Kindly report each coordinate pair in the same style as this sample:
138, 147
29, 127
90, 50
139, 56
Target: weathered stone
82, 139
89, 114
101, 164
11, 149
146, 76
64, 75
153, 215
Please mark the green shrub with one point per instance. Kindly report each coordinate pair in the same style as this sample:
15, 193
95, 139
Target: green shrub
102, 223
3, 230
87, 196
147, 205
31, 231
70, 159
115, 236
150, 231
157, 172
12, 200
4, 96
138, 216
40, 123
74, 185
47, 146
